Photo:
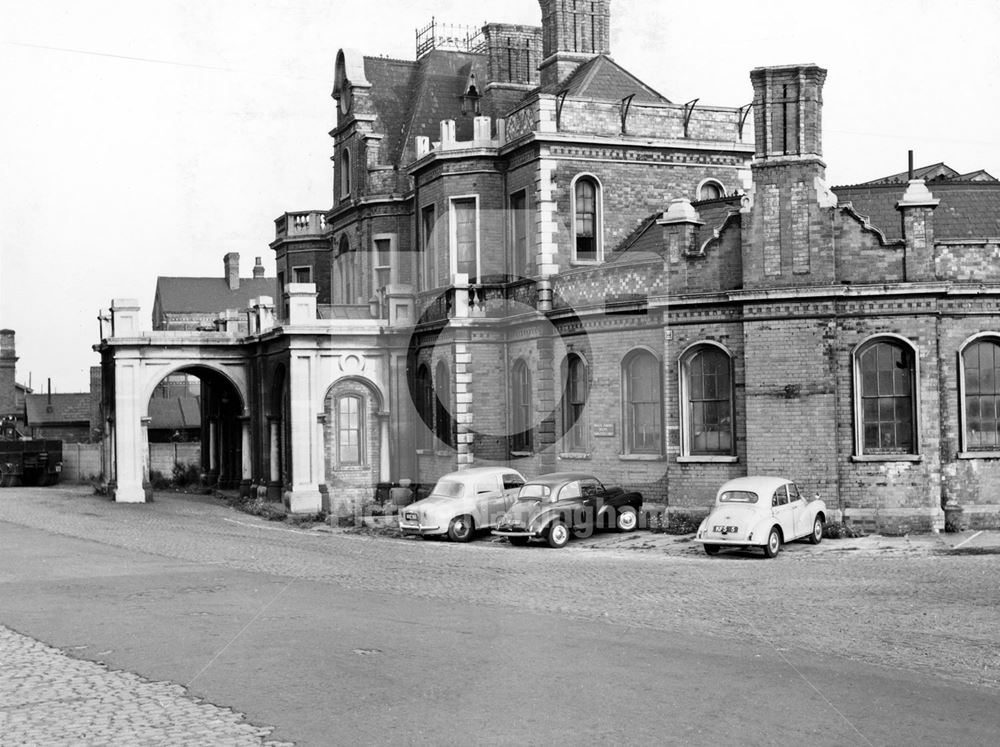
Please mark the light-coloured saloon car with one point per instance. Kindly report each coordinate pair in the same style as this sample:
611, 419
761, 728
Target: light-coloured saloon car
462, 502
761, 512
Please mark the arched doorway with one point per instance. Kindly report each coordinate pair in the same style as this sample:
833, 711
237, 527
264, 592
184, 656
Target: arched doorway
195, 424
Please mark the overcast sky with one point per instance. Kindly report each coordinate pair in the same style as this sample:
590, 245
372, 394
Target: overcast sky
142, 138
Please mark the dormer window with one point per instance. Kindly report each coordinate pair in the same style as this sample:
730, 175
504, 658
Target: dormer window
470, 99
710, 189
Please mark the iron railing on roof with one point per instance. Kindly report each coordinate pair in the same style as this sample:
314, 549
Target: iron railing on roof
449, 36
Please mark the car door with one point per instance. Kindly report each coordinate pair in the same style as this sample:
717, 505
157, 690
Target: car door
512, 483
489, 499
592, 497
800, 511
783, 512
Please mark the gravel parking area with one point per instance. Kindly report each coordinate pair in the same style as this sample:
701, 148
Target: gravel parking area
900, 602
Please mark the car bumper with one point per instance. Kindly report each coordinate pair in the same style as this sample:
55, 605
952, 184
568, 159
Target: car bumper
728, 541
515, 533
411, 528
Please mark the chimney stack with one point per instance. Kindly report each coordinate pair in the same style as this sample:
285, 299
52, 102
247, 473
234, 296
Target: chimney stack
258, 269
8, 391
571, 36
232, 264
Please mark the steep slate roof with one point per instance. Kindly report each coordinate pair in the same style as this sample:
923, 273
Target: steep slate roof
66, 408
412, 98
604, 79
968, 209
209, 295
174, 412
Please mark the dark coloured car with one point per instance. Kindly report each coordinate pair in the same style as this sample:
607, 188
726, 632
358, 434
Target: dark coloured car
559, 505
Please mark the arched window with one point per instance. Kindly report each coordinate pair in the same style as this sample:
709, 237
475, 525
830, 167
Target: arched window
885, 375
710, 189
345, 173
707, 402
425, 407
349, 411
642, 402
442, 404
586, 220
981, 396
521, 419
574, 400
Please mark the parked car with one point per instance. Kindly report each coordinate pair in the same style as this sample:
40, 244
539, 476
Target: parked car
563, 504
761, 512
462, 502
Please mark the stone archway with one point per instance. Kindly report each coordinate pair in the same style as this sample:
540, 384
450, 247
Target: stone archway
356, 443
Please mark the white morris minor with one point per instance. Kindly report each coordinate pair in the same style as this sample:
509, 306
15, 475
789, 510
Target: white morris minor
761, 512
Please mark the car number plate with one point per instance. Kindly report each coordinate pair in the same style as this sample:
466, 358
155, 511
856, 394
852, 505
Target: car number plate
725, 529
410, 516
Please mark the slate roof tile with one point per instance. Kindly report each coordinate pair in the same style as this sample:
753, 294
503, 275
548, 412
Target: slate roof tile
209, 295
46, 409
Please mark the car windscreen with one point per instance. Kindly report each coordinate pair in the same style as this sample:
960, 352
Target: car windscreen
531, 492
738, 496
448, 489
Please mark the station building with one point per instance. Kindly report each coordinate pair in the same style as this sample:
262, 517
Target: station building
533, 258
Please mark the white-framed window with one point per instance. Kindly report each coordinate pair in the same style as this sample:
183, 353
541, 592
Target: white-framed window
521, 409
517, 209
428, 247
979, 394
383, 254
576, 388
345, 173
708, 412
464, 234
345, 266
885, 403
710, 189
642, 403
350, 427
587, 219
302, 274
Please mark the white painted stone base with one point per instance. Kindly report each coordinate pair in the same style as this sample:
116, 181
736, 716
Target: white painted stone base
895, 516
303, 500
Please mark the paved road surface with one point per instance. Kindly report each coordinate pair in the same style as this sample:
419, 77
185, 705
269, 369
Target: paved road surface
322, 638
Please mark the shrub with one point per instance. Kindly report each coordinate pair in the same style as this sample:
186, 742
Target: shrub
157, 480
185, 475
840, 530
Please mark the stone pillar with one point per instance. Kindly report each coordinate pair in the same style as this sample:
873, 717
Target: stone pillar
213, 451
304, 495
301, 298
246, 467
917, 208
384, 463
124, 317
147, 488
128, 432
547, 389
274, 458
680, 228
465, 448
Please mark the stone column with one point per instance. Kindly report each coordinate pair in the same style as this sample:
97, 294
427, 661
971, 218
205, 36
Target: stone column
464, 446
274, 459
147, 488
213, 451
384, 470
304, 495
128, 431
246, 466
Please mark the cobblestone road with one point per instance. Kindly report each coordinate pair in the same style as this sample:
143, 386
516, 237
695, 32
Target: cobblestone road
895, 605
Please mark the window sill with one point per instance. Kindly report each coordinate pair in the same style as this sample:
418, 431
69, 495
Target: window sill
574, 455
641, 457
707, 459
522, 453
978, 455
584, 262
887, 458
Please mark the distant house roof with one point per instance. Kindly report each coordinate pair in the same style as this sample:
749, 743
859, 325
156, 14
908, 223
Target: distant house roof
604, 79
174, 412
936, 172
52, 409
969, 208
209, 295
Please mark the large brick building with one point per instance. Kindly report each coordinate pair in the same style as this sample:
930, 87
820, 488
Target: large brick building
534, 258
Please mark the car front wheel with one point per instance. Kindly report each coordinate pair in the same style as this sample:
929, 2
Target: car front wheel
558, 535
627, 519
773, 543
817, 533
461, 528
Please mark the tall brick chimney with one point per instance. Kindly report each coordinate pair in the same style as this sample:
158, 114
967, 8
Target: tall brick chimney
573, 32
791, 240
513, 54
232, 264
8, 358
258, 269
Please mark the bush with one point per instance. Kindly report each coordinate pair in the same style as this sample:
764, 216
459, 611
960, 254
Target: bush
674, 522
840, 530
185, 475
157, 480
